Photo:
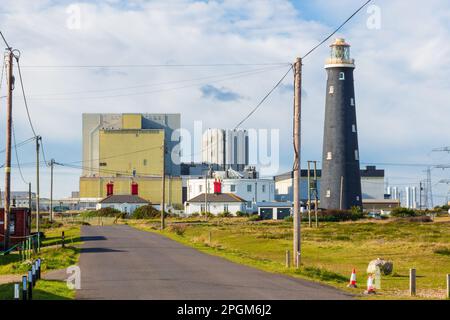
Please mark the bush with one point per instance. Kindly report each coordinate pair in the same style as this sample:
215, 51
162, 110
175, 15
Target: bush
225, 214
195, 214
420, 219
403, 212
207, 214
254, 217
108, 212
178, 228
47, 224
242, 214
339, 215
289, 219
177, 206
146, 212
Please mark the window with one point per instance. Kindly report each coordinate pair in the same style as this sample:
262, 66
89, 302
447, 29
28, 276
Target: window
341, 76
356, 155
249, 188
352, 102
102, 164
225, 208
328, 194
353, 128
263, 188
145, 162
329, 156
200, 188
331, 89
233, 188
357, 198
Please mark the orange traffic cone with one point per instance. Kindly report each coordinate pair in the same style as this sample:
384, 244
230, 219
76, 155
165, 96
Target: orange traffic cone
370, 287
352, 283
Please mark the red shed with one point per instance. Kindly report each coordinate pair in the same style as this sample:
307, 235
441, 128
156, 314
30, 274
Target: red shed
20, 224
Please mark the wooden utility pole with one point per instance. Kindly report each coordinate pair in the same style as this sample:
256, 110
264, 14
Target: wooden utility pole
38, 138
163, 182
296, 184
309, 193
30, 205
52, 162
10, 88
316, 202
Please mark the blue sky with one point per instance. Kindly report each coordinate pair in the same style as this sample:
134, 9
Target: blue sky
401, 76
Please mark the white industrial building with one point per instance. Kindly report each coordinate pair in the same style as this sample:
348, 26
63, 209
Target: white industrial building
226, 148
372, 184
252, 190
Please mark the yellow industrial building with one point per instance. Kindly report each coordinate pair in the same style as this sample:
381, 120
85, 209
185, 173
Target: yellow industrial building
124, 153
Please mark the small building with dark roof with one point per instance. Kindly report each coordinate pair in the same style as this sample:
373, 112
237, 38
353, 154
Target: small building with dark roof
215, 203
125, 203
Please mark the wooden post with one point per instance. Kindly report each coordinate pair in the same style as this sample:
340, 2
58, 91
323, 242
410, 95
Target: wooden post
37, 190
412, 282
297, 260
288, 259
309, 194
10, 80
209, 237
297, 148
62, 239
316, 202
163, 182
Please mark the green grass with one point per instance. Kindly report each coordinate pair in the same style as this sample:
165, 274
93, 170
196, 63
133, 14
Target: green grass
53, 256
44, 290
330, 252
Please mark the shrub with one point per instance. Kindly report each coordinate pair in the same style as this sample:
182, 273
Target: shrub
254, 217
47, 224
225, 214
195, 214
420, 219
146, 212
107, 212
442, 251
339, 215
207, 214
242, 214
288, 218
178, 228
403, 212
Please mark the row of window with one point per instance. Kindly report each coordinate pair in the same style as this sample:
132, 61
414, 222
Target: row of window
233, 188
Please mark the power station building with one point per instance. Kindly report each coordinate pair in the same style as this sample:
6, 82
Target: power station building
341, 179
123, 155
224, 149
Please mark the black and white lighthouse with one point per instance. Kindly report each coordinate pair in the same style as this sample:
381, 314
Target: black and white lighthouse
340, 186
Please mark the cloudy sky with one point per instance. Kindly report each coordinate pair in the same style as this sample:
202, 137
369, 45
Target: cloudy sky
235, 51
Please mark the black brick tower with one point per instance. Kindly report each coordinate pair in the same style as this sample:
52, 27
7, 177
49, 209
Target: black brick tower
340, 184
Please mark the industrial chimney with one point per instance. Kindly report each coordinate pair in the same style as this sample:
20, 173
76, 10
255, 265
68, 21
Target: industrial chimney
341, 180
109, 189
217, 187
134, 188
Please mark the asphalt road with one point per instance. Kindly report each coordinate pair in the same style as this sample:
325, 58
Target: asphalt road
120, 262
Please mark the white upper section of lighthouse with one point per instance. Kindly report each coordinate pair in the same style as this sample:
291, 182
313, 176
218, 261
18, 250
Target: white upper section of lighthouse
340, 55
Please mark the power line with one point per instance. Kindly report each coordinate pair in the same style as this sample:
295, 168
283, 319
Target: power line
24, 96
154, 84
155, 65
17, 155
264, 99
154, 91
20, 144
4, 40
335, 31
